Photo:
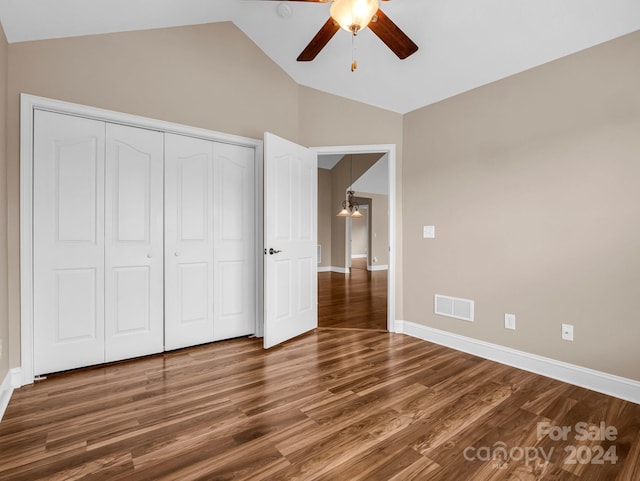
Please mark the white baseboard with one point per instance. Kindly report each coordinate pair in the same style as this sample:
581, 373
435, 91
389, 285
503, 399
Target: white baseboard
345, 270
377, 268
358, 256
6, 389
339, 270
620, 387
16, 377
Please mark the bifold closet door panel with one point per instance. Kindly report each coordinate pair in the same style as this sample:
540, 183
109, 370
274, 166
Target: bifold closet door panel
134, 324
189, 241
68, 242
235, 241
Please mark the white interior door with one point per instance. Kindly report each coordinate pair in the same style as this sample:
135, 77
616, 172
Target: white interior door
234, 271
290, 239
189, 242
68, 242
134, 324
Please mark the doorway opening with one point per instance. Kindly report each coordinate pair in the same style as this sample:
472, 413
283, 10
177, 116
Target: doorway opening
358, 242
355, 269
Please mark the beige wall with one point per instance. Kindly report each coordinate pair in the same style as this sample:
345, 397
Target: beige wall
532, 183
4, 321
379, 231
209, 76
325, 212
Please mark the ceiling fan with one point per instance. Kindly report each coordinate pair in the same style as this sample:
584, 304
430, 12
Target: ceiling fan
354, 16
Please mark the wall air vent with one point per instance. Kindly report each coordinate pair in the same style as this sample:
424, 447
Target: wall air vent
453, 307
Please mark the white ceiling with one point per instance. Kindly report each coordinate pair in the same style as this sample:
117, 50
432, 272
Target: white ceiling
328, 161
376, 179
373, 181
463, 43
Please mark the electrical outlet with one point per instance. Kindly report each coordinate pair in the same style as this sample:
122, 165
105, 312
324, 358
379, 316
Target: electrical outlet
510, 321
567, 332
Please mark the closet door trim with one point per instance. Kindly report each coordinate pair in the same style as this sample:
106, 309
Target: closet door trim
28, 105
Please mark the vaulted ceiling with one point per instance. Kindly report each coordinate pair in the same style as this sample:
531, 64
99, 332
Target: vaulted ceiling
463, 44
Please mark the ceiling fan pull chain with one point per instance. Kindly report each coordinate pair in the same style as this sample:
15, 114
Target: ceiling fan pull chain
354, 63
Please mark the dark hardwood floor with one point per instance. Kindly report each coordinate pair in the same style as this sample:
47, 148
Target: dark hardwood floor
353, 301
363, 405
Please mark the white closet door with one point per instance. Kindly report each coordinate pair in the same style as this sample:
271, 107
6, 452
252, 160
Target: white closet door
133, 242
188, 241
235, 241
68, 242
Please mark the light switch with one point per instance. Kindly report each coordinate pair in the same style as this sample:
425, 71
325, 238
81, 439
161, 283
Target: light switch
429, 231
567, 332
510, 321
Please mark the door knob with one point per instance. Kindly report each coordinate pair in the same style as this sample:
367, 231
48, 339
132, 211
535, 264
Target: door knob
273, 251
149, 256
177, 254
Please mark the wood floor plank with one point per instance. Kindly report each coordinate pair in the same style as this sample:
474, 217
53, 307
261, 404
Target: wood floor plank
361, 405
357, 300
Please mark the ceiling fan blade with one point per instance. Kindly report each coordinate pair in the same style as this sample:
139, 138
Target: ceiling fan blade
392, 36
318, 42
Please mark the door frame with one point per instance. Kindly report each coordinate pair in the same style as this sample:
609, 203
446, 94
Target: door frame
390, 150
30, 103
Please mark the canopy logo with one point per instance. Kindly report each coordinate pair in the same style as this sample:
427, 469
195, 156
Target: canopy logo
585, 451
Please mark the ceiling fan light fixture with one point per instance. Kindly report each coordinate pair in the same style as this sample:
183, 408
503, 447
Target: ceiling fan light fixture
353, 15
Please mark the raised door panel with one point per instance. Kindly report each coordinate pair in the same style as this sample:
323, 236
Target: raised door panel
282, 201
193, 196
134, 242
305, 291
235, 241
189, 242
75, 312
68, 242
131, 302
283, 276
193, 295
75, 190
305, 235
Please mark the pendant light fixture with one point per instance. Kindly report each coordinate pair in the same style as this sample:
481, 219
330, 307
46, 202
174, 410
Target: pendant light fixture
350, 208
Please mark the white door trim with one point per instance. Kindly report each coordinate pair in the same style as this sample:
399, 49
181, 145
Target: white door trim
389, 149
30, 103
